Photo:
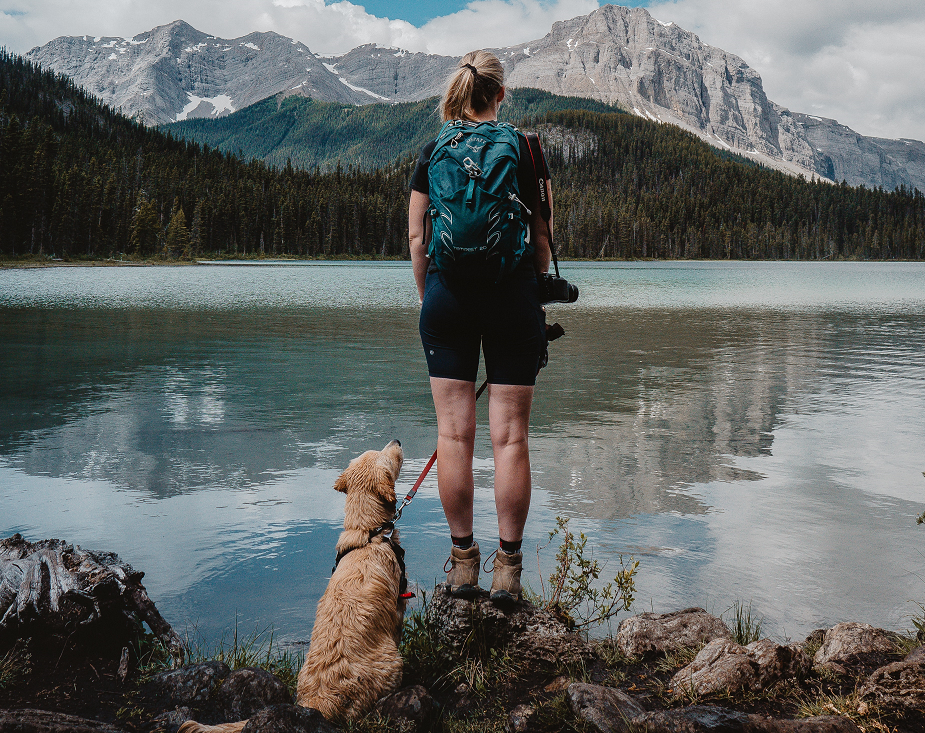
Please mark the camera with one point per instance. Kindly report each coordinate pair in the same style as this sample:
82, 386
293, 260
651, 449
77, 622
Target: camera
555, 289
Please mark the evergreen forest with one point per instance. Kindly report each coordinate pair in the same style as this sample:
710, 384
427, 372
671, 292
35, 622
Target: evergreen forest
80, 180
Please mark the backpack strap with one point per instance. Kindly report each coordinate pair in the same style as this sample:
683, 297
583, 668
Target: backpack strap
541, 176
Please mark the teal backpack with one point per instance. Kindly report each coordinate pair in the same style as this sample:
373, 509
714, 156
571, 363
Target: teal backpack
479, 223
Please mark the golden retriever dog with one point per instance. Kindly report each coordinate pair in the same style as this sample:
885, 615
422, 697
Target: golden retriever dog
353, 657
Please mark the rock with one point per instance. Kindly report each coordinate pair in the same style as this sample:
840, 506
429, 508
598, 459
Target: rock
854, 644
651, 633
170, 720
518, 720
559, 684
818, 724
899, 685
191, 686
413, 704
462, 702
709, 719
605, 709
43, 721
916, 655
533, 635
289, 719
698, 719
726, 666
815, 638
245, 691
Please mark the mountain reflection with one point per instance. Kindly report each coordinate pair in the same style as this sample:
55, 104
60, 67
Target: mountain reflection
640, 405
634, 408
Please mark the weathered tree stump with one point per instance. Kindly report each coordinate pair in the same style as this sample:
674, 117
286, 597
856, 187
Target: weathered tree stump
55, 587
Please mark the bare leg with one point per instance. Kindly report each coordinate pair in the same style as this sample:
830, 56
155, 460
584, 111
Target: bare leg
454, 402
509, 418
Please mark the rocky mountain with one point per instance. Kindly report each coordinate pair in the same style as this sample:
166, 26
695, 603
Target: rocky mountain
616, 55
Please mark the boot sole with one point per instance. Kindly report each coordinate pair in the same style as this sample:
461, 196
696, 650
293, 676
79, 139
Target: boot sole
466, 591
503, 598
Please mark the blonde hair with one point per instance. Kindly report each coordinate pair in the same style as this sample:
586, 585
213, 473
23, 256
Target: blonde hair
473, 87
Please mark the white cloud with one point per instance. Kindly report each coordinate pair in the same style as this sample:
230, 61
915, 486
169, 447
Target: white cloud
851, 60
324, 28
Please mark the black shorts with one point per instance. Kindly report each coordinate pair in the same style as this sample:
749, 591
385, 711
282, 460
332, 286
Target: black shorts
506, 321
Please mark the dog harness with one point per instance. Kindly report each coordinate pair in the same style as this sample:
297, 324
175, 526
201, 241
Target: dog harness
385, 532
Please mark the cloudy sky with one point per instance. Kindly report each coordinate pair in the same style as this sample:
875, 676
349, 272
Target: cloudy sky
860, 62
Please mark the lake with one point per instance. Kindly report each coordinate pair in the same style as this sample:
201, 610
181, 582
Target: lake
750, 432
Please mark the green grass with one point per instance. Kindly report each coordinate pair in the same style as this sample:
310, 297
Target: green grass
15, 665
256, 649
746, 628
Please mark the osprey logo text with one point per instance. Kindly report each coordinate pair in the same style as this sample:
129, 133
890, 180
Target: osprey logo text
476, 143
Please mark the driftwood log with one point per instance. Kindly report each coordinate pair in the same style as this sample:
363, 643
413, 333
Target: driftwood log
53, 586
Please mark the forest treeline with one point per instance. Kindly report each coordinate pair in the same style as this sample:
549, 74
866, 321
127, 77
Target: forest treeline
651, 190
78, 179
309, 134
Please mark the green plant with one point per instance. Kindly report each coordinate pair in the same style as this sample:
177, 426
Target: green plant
745, 628
423, 653
677, 659
851, 705
257, 649
918, 621
572, 591
15, 665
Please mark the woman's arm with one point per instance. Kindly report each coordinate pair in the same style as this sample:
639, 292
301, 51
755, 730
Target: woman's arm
417, 237
541, 235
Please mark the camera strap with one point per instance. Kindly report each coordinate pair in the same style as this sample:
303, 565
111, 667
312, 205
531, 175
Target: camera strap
541, 176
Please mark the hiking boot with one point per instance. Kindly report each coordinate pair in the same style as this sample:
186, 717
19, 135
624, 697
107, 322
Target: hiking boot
463, 577
505, 580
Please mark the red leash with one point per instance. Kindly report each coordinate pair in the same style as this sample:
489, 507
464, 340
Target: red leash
430, 464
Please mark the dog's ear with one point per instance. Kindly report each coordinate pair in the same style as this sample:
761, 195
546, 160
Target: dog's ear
348, 478
343, 481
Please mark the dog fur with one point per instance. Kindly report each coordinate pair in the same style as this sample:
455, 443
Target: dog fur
353, 658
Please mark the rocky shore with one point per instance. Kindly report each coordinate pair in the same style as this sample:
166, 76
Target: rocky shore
90, 666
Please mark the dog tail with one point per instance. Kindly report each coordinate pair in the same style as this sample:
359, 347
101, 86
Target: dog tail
191, 726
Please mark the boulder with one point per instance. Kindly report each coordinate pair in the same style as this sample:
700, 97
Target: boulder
519, 719
709, 719
289, 719
44, 721
170, 720
190, 686
817, 724
605, 709
916, 655
413, 704
698, 719
854, 644
899, 685
726, 666
665, 633
532, 634
247, 690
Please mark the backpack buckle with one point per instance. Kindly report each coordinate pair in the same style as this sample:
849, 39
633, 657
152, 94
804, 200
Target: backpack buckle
471, 168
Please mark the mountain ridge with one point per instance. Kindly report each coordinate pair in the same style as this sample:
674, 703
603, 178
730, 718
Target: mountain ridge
614, 54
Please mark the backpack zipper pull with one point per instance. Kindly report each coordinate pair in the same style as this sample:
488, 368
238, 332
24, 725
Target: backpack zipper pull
513, 197
455, 141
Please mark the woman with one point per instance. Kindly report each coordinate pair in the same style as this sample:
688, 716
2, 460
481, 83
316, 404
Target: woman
506, 320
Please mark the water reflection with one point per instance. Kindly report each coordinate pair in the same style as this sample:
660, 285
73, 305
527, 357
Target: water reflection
764, 445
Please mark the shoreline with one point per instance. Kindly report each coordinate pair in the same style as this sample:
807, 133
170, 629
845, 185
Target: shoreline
35, 264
